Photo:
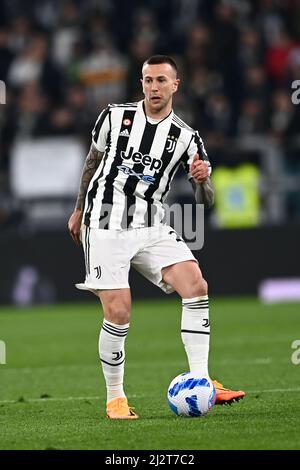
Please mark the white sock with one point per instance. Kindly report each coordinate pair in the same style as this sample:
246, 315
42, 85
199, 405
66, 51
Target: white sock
112, 356
195, 333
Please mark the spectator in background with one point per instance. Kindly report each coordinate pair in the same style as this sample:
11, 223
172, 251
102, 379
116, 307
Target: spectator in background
145, 26
216, 123
218, 113
67, 34
6, 55
199, 48
20, 32
250, 50
270, 19
284, 119
35, 65
73, 116
30, 117
202, 82
251, 120
225, 34
277, 58
103, 71
255, 85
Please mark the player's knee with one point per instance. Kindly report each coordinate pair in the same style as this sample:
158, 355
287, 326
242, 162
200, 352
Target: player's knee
198, 287
204, 286
118, 313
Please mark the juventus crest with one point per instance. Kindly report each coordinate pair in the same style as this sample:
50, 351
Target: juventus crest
171, 143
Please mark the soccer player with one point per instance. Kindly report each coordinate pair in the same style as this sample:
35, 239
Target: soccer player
136, 149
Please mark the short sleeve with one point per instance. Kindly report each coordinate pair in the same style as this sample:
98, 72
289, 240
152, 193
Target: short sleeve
196, 146
101, 129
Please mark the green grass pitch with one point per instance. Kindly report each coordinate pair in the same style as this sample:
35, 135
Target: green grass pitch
52, 391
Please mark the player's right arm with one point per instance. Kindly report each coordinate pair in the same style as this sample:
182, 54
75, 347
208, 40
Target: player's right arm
93, 159
92, 162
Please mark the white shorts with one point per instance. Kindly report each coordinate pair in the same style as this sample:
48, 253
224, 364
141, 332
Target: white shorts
109, 254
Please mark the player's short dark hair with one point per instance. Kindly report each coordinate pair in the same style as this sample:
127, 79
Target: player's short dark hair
161, 59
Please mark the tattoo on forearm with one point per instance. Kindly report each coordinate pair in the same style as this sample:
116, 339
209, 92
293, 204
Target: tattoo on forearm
91, 164
204, 193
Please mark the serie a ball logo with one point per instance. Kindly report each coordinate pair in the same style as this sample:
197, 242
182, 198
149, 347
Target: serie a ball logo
190, 394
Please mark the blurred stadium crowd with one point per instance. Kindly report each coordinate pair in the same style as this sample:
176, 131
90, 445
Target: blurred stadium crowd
63, 61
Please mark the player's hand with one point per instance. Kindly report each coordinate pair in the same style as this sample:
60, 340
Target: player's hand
74, 225
199, 170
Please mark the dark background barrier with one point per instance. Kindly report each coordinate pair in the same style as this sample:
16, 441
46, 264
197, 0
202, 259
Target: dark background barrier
43, 267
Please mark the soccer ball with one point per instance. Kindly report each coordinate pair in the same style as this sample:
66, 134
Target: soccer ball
190, 394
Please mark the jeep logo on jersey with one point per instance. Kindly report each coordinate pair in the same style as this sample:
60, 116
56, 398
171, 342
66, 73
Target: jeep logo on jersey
145, 160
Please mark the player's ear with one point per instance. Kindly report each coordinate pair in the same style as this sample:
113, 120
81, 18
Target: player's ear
176, 84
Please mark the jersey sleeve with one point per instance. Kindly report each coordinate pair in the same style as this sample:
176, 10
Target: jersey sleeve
101, 129
196, 146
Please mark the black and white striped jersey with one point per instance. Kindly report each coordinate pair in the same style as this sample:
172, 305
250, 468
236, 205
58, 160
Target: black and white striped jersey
140, 160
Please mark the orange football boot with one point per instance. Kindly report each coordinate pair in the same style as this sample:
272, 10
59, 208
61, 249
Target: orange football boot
225, 396
118, 409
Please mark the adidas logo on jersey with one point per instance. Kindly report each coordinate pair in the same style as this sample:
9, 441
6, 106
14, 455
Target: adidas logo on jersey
124, 133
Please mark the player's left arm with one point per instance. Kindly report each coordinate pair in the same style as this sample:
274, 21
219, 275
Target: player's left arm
199, 171
201, 183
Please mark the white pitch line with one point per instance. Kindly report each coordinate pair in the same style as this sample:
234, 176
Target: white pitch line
276, 390
39, 400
